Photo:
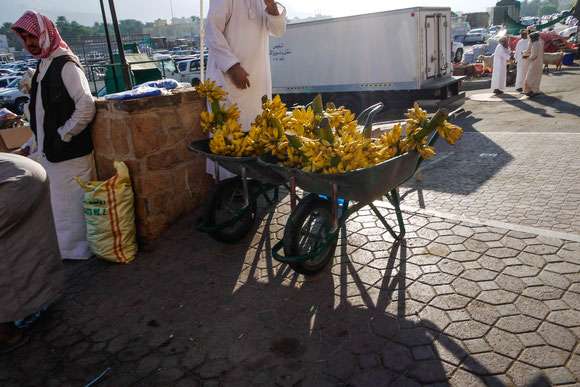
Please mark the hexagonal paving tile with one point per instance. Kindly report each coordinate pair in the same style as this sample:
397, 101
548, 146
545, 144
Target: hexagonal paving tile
464, 256
502, 252
497, 297
543, 293
466, 288
563, 267
462, 231
421, 292
513, 284
568, 318
438, 249
487, 236
450, 301
465, 330
482, 312
487, 363
479, 275
557, 336
544, 357
451, 267
437, 278
532, 307
521, 271
518, 324
504, 343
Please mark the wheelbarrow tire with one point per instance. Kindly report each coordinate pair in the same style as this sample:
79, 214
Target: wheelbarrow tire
311, 209
222, 203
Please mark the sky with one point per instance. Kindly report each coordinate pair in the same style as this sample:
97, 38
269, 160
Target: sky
88, 11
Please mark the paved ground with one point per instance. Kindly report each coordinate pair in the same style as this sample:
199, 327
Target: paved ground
484, 289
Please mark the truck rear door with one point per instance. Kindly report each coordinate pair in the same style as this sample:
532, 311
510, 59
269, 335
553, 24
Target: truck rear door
437, 40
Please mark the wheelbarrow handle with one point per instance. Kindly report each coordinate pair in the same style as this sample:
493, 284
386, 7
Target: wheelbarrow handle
371, 111
455, 113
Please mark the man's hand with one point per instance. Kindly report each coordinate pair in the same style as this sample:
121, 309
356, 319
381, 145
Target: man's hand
22, 151
271, 7
239, 76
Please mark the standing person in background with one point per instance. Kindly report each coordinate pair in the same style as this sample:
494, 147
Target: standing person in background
61, 107
500, 58
534, 55
521, 46
237, 37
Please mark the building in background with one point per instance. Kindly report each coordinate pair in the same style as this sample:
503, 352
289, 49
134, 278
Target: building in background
3, 43
477, 19
180, 28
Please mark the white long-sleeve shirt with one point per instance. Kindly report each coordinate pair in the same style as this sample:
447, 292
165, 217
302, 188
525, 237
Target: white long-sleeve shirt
77, 86
521, 46
499, 75
237, 32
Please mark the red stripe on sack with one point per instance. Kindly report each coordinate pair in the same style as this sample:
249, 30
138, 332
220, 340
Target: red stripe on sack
115, 250
125, 259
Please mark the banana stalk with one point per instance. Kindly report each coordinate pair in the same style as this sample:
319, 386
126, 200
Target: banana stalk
326, 130
432, 124
217, 110
317, 106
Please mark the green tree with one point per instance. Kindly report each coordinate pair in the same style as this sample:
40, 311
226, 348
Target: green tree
194, 18
130, 27
547, 9
13, 40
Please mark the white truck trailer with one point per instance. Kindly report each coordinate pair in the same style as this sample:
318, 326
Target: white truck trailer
396, 57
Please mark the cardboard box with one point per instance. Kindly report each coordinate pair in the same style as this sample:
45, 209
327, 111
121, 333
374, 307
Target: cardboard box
15, 137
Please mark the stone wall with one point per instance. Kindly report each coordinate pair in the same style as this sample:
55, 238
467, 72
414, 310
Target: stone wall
151, 136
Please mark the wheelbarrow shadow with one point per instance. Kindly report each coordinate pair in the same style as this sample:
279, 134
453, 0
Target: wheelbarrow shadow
334, 328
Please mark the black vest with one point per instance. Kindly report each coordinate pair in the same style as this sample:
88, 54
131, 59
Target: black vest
58, 108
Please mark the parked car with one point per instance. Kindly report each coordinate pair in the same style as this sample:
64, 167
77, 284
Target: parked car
457, 51
569, 32
12, 98
5, 81
478, 35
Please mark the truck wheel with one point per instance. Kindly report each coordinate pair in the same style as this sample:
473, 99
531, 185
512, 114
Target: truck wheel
19, 105
195, 82
458, 55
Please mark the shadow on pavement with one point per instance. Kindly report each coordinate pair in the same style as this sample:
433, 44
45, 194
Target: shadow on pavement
459, 169
231, 315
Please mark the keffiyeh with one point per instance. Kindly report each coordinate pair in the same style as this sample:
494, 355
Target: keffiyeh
42, 27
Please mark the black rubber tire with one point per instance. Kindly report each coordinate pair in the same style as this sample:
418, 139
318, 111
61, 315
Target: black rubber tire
19, 105
309, 211
195, 82
222, 203
458, 55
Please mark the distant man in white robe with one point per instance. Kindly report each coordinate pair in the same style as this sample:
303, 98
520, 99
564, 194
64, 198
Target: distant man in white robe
500, 58
534, 55
237, 36
521, 46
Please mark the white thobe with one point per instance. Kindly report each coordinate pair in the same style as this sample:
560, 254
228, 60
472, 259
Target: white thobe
535, 66
522, 68
65, 193
499, 74
238, 32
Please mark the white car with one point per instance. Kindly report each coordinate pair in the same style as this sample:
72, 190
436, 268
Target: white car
5, 81
569, 32
457, 50
12, 98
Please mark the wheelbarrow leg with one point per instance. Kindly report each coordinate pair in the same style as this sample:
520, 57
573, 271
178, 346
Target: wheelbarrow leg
394, 199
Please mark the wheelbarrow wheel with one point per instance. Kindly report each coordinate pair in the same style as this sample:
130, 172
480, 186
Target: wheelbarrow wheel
224, 202
306, 229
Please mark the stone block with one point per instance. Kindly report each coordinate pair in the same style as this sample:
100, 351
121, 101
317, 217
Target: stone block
153, 182
160, 200
135, 169
141, 208
104, 166
190, 117
100, 134
120, 137
145, 128
161, 159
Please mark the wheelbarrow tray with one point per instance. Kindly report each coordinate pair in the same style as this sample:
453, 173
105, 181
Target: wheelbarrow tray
235, 164
362, 185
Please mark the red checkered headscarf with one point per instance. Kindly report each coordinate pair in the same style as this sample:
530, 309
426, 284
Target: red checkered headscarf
42, 27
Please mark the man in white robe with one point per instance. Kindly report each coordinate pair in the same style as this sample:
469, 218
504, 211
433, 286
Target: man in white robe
534, 55
500, 58
237, 37
522, 68
61, 107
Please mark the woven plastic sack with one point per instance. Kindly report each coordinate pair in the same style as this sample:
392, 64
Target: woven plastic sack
110, 216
